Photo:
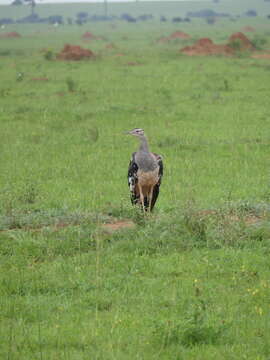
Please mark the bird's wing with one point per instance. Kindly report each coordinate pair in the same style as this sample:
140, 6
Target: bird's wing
160, 174
160, 164
133, 179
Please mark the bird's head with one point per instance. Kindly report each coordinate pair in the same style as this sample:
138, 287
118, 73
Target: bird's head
136, 132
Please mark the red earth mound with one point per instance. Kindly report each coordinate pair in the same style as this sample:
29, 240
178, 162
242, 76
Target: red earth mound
179, 35
205, 46
175, 35
12, 34
74, 52
163, 39
244, 42
88, 36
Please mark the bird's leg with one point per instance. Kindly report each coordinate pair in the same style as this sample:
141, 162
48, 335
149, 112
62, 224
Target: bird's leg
150, 197
141, 197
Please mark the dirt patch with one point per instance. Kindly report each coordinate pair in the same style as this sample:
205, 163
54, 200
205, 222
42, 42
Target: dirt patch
9, 35
118, 225
60, 93
261, 56
110, 46
75, 52
175, 35
133, 63
40, 79
119, 54
243, 43
163, 39
179, 35
205, 46
248, 29
88, 36
248, 219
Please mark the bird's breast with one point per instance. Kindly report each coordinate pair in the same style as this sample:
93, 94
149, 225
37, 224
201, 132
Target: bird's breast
148, 178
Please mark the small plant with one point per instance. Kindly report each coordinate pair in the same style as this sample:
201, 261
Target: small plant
19, 76
194, 330
226, 85
71, 84
259, 42
93, 134
236, 44
48, 55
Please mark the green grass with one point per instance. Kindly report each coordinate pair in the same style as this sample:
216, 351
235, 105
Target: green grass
190, 281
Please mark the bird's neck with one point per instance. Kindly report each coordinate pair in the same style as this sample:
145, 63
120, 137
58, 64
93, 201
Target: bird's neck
144, 145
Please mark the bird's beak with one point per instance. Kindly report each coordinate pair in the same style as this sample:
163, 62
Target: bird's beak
127, 132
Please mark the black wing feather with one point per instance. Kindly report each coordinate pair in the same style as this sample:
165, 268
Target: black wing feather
133, 179
156, 187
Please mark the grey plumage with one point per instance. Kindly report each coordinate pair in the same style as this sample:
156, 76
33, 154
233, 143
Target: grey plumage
144, 173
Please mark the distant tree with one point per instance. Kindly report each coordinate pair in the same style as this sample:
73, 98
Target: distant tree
17, 2
82, 15
251, 12
32, 3
216, 1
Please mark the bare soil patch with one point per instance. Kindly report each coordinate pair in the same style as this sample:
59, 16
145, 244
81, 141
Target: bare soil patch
179, 35
40, 79
248, 29
248, 219
88, 36
10, 35
111, 46
261, 56
118, 225
133, 63
175, 35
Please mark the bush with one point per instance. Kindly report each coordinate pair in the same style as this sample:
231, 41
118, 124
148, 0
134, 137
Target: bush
48, 55
251, 12
259, 42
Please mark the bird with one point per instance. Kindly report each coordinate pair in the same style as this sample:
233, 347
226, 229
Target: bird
145, 173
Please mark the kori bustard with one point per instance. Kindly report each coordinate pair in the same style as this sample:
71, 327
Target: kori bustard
144, 173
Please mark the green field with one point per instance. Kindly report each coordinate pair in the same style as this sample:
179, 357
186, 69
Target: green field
191, 280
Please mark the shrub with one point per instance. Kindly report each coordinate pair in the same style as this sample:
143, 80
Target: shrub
48, 55
71, 85
251, 12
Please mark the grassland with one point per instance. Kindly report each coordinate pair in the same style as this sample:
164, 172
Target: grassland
190, 281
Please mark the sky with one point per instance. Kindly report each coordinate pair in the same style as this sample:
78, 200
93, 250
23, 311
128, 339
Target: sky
6, 2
